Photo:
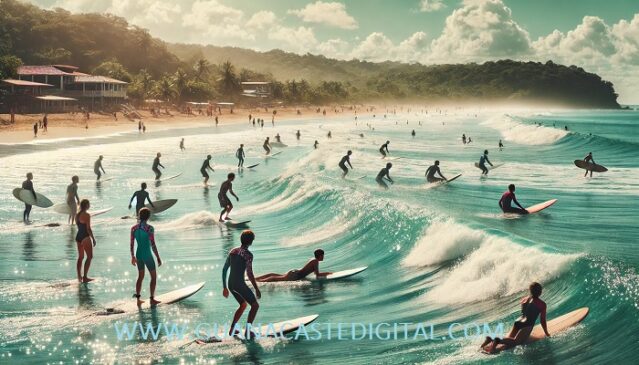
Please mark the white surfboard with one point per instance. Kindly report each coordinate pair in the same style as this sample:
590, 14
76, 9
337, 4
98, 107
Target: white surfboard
63, 208
274, 154
541, 206
168, 178
233, 224
167, 298
160, 206
444, 182
339, 274
275, 330
26, 197
494, 166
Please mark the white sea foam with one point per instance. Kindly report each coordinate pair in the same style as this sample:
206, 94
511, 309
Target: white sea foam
517, 132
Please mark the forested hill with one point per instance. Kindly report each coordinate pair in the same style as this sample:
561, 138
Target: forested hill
108, 45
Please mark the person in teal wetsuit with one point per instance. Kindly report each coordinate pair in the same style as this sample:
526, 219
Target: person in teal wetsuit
143, 233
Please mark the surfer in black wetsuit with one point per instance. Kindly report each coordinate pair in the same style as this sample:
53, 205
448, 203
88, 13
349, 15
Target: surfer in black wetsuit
384, 149
431, 171
206, 165
267, 146
225, 202
72, 198
156, 163
342, 163
182, 148
312, 266
589, 159
315, 144
505, 203
240, 261
278, 139
413, 133
384, 173
140, 196
531, 308
28, 185
240, 156
501, 145
482, 163
97, 166
297, 135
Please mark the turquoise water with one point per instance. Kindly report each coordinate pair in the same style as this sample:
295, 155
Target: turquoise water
435, 255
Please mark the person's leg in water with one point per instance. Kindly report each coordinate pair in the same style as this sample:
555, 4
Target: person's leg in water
221, 214
344, 170
99, 175
27, 212
513, 332
158, 173
138, 283
88, 249
78, 265
516, 210
381, 183
229, 207
484, 169
512, 340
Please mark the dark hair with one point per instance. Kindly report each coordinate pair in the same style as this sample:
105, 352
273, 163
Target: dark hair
144, 214
143, 185
317, 253
511, 187
535, 289
436, 162
389, 165
247, 237
485, 152
349, 152
230, 175
84, 205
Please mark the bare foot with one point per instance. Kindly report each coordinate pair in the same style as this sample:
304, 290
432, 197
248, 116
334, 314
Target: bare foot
79, 279
87, 280
140, 302
228, 218
221, 220
154, 302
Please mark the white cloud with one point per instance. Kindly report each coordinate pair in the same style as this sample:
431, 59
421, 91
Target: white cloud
299, 40
627, 40
376, 47
428, 6
414, 48
333, 14
262, 20
333, 48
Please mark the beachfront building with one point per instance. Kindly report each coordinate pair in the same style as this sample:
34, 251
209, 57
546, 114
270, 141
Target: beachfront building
256, 89
19, 96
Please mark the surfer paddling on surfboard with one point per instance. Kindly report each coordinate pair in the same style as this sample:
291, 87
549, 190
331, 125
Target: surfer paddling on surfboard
342, 164
140, 196
384, 173
97, 166
505, 203
85, 240
206, 165
240, 261
589, 159
144, 234
482, 163
240, 156
28, 185
312, 266
225, 202
156, 163
431, 171
72, 198
531, 308
384, 149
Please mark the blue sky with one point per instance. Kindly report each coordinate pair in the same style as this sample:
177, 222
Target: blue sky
600, 36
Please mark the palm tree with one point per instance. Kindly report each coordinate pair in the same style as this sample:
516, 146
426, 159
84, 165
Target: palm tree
181, 83
202, 69
164, 89
229, 79
146, 82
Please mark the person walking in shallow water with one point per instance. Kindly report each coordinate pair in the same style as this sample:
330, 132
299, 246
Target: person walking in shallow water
85, 241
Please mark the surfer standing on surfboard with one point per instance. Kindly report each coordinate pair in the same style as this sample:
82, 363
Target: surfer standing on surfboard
240, 156
240, 261
140, 197
224, 200
206, 165
384, 173
267, 146
531, 308
384, 149
312, 266
72, 198
482, 163
431, 171
28, 185
589, 159
85, 240
156, 163
97, 166
342, 164
505, 203
144, 234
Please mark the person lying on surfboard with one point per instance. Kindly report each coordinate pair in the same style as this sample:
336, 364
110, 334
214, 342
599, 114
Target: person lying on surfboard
482, 163
531, 308
589, 159
431, 171
224, 200
156, 163
140, 196
312, 266
240, 261
384, 173
505, 203
342, 164
144, 234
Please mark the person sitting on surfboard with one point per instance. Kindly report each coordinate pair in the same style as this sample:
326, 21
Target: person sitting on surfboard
431, 171
505, 203
384, 173
224, 200
156, 163
482, 163
140, 197
144, 234
206, 165
531, 308
72, 198
384, 149
312, 266
28, 185
97, 166
342, 164
240, 156
240, 261
85, 240
589, 159
267, 146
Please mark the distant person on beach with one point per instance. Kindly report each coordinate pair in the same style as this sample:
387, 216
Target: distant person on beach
464, 138
45, 123
97, 166
315, 144
589, 159
432, 170
139, 126
384, 173
482, 162
297, 135
155, 168
182, 148
206, 165
85, 240
225, 202
413, 133
140, 196
329, 135
267, 146
28, 185
532, 307
144, 234
35, 130
345, 160
384, 149
501, 145
312, 266
143, 128
72, 198
505, 203
240, 156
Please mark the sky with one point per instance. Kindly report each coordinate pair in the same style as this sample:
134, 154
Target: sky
600, 36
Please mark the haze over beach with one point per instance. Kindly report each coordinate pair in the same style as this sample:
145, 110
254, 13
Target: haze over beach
375, 182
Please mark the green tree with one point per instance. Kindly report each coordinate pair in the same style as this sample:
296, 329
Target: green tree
9, 67
113, 69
